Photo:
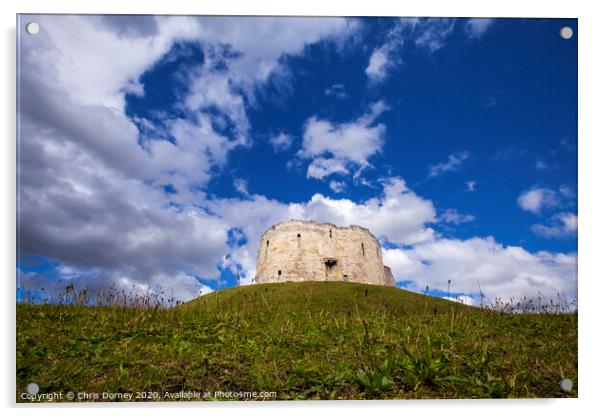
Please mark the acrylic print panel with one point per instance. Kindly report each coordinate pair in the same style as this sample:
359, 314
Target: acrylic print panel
276, 208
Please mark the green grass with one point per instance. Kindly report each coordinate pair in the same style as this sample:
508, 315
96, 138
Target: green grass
314, 340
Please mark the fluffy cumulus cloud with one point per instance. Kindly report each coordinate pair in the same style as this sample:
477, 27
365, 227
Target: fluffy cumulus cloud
501, 271
387, 56
537, 199
338, 148
398, 216
379, 63
544, 201
104, 60
228, 79
562, 224
76, 209
113, 209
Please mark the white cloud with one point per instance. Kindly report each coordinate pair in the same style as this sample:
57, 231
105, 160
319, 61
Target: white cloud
537, 199
336, 148
83, 166
112, 222
212, 89
321, 168
475, 28
281, 142
337, 186
563, 224
567, 191
241, 185
427, 34
263, 40
432, 33
402, 265
198, 148
501, 271
471, 186
98, 64
454, 217
251, 60
454, 161
336, 90
379, 64
398, 215
463, 299
388, 55
178, 286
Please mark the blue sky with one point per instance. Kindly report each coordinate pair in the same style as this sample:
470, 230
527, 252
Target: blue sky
155, 151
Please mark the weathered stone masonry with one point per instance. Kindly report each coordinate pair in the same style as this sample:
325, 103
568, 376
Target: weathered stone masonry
296, 251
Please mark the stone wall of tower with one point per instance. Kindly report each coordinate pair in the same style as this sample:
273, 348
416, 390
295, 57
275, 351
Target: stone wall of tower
308, 251
389, 279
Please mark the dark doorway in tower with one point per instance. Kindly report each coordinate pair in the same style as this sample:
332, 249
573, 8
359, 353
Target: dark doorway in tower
330, 266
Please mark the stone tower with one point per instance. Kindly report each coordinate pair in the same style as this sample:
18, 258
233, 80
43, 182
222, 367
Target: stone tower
297, 251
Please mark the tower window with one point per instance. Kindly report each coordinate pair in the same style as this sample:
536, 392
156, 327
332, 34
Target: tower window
330, 232
363, 250
279, 272
330, 263
298, 235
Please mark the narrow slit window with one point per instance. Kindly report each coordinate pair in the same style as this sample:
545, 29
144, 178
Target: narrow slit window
330, 232
363, 250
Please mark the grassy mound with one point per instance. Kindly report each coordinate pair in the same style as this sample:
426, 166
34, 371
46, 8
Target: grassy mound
324, 340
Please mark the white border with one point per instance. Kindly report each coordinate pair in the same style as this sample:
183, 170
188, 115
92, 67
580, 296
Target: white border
590, 135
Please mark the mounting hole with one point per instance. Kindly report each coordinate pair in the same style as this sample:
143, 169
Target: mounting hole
566, 384
32, 388
566, 32
32, 28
